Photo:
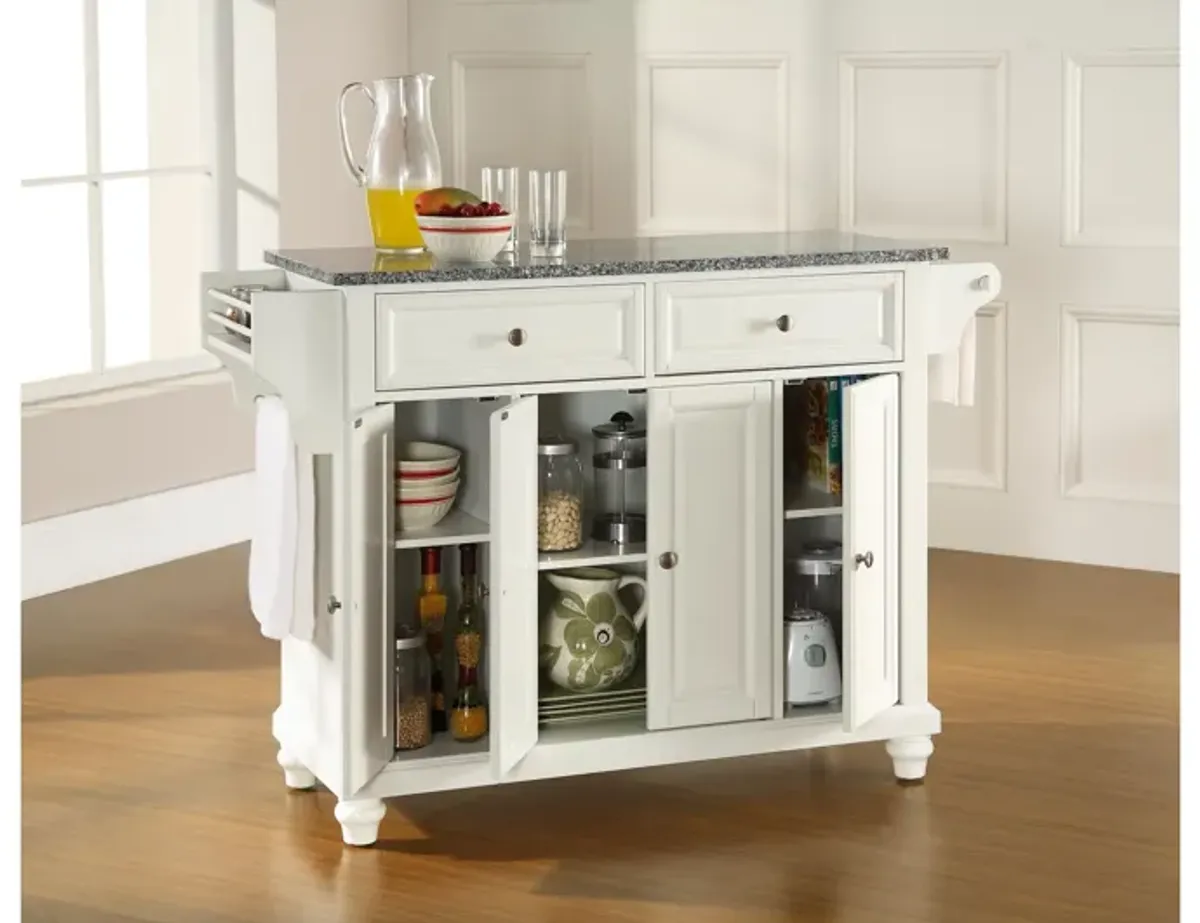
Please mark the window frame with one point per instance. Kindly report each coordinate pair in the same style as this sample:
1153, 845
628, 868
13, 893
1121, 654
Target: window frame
218, 99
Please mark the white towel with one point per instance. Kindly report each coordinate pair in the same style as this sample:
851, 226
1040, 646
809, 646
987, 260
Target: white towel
952, 374
281, 547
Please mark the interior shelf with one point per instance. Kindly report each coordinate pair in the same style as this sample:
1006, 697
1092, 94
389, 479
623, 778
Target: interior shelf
592, 553
444, 747
458, 528
802, 502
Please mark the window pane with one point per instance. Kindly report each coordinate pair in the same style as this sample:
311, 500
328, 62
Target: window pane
49, 101
258, 230
155, 247
52, 282
150, 112
254, 89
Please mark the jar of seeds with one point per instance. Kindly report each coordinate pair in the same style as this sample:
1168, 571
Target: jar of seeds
413, 729
560, 494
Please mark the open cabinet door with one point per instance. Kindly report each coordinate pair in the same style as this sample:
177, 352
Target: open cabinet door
871, 509
368, 624
512, 651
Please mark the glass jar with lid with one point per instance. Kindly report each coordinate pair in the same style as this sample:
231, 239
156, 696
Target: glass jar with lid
412, 666
560, 494
619, 463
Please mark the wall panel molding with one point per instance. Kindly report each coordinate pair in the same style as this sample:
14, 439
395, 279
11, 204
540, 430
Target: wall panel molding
1075, 68
464, 64
994, 476
1073, 482
649, 66
850, 66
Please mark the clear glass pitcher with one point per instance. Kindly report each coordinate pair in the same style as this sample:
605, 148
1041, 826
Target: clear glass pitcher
402, 157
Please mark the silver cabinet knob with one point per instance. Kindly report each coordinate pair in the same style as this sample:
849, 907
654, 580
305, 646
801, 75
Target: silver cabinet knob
865, 559
784, 322
667, 560
516, 336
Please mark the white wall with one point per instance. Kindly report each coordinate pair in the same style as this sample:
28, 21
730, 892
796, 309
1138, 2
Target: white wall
1039, 136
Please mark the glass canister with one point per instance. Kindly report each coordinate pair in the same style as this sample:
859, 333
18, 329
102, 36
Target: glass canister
413, 729
402, 158
619, 463
560, 494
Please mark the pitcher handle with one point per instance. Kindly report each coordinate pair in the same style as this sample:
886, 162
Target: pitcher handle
357, 173
639, 617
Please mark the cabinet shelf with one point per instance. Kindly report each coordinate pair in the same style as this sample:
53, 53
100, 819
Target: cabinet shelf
802, 502
445, 748
591, 553
458, 528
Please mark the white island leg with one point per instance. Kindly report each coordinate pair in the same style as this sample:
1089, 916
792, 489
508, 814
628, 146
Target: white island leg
910, 757
295, 773
360, 820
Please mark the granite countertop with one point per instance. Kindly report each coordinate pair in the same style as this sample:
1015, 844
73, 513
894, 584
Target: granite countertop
629, 257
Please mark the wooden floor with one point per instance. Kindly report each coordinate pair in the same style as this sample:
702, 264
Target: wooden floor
151, 793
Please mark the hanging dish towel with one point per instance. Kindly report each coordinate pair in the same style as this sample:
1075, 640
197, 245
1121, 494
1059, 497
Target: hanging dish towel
281, 546
952, 374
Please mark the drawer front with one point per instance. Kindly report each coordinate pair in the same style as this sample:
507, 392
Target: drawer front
778, 323
502, 337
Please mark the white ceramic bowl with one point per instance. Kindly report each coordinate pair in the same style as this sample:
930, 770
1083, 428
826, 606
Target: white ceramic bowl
428, 459
425, 480
415, 515
409, 491
465, 240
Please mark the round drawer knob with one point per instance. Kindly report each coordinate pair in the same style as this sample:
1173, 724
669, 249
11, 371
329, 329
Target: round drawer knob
865, 559
784, 322
516, 336
667, 560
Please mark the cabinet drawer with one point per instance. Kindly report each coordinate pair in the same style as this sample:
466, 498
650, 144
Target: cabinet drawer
502, 337
778, 323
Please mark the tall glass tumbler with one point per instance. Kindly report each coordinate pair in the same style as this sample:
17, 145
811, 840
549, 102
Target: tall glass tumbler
499, 184
547, 212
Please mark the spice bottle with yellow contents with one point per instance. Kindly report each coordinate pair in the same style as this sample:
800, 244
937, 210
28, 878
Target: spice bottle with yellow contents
468, 717
431, 610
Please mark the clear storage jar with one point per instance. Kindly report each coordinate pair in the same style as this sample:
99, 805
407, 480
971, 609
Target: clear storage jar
560, 494
413, 693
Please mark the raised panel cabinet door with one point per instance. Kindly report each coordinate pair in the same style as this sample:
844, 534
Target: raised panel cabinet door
513, 620
871, 575
710, 527
367, 617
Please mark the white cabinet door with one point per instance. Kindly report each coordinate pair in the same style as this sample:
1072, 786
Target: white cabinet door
871, 584
368, 624
710, 527
513, 621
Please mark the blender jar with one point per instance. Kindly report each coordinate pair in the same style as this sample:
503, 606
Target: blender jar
815, 581
619, 469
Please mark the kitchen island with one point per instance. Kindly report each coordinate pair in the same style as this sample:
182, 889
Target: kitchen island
704, 341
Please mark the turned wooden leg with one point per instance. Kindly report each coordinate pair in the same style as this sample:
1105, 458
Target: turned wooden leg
295, 773
910, 757
360, 820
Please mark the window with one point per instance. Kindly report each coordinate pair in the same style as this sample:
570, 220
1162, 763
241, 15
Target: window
148, 155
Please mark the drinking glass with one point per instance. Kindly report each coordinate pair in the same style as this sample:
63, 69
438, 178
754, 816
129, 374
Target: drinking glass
500, 185
547, 212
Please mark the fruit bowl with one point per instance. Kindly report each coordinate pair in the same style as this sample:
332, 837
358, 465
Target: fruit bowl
465, 240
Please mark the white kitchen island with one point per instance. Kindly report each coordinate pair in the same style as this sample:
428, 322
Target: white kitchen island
700, 338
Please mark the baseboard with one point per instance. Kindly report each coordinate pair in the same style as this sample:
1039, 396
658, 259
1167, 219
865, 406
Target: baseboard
78, 548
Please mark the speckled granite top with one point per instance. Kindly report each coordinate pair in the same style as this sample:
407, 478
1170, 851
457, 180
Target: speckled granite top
630, 257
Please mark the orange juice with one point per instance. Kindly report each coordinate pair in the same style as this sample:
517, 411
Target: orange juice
394, 219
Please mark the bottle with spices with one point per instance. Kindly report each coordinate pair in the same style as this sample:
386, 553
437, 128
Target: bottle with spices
431, 610
468, 718
412, 692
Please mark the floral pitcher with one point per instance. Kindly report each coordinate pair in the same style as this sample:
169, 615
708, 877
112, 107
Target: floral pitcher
589, 641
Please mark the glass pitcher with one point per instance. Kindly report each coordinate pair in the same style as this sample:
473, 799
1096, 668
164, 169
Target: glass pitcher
402, 157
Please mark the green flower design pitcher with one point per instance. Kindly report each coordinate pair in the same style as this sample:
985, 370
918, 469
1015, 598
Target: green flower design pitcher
589, 641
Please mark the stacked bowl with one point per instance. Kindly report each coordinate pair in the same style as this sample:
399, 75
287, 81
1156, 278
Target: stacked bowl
427, 482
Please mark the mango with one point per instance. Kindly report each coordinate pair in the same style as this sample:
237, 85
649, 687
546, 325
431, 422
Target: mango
432, 201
